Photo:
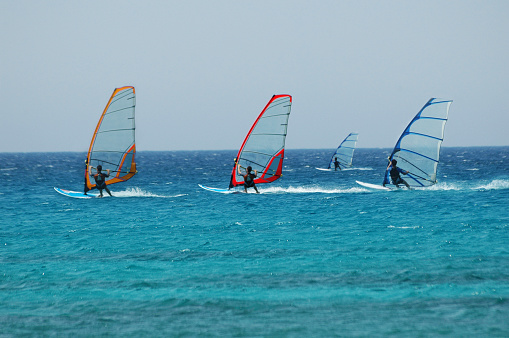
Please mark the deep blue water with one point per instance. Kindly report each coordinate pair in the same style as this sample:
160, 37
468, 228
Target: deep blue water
313, 255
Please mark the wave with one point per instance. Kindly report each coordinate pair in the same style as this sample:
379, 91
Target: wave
345, 169
494, 185
404, 227
314, 189
137, 192
442, 187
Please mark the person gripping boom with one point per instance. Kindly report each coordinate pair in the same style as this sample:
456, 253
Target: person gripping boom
248, 178
100, 180
395, 174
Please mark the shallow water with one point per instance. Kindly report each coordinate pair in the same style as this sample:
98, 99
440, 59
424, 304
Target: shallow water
314, 254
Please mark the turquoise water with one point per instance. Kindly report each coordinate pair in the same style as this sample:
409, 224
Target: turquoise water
313, 255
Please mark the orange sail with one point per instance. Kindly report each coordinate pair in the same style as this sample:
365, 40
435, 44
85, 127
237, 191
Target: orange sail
113, 145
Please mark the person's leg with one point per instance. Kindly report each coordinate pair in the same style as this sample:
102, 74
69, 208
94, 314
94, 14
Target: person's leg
395, 183
108, 191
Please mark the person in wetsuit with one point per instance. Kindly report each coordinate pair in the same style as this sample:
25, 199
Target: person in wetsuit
336, 164
100, 180
249, 178
395, 174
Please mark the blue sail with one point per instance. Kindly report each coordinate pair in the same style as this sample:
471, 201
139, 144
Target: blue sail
418, 148
344, 153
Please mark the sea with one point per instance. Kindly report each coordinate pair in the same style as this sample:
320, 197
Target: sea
313, 255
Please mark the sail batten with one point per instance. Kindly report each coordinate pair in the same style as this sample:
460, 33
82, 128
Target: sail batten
413, 152
110, 130
113, 142
418, 147
263, 147
255, 152
428, 136
266, 117
432, 118
268, 134
118, 110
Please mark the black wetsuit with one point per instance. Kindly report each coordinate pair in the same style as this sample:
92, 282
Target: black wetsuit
395, 177
100, 180
248, 180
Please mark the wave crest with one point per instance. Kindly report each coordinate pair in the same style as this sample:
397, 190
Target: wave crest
308, 190
137, 192
494, 185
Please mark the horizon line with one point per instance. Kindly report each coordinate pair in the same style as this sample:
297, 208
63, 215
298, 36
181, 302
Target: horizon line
178, 150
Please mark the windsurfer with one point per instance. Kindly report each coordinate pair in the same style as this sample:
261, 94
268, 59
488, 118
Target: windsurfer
395, 174
100, 180
248, 178
336, 164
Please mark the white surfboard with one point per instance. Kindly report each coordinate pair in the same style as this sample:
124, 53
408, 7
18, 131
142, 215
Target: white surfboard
326, 169
75, 194
374, 186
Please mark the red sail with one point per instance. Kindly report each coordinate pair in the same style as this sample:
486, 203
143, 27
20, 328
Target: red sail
264, 146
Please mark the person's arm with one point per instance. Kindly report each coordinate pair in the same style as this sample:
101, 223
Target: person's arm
107, 172
390, 163
256, 172
404, 172
238, 169
90, 170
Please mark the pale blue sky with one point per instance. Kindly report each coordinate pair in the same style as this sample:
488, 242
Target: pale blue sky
203, 70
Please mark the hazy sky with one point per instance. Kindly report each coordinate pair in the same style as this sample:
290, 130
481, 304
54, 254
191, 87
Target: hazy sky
203, 70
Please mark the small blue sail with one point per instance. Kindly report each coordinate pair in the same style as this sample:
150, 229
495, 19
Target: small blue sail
418, 148
344, 153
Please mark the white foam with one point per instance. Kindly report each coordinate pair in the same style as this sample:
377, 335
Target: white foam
344, 169
362, 169
314, 189
494, 185
442, 187
137, 192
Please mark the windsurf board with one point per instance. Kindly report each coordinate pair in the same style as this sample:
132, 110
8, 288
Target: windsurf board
221, 191
329, 169
374, 186
75, 194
